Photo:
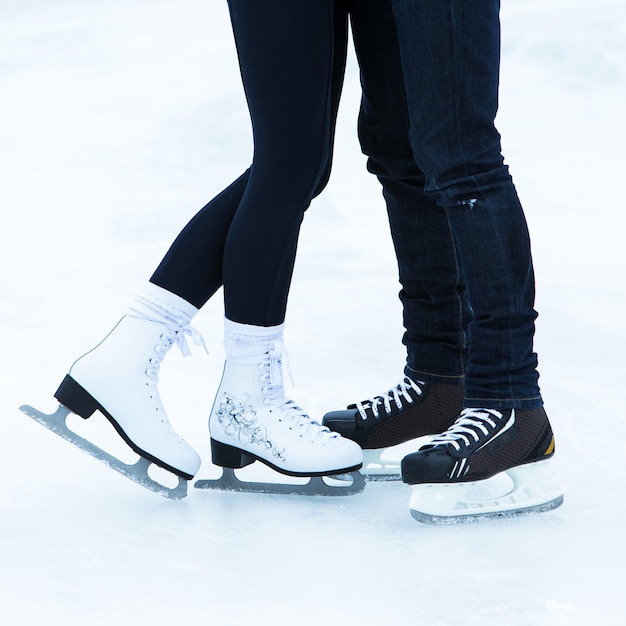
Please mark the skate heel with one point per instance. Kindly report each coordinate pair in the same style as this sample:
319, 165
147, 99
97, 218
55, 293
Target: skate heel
75, 398
228, 456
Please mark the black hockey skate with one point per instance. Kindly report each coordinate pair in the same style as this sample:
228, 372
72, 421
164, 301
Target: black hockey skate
489, 463
410, 410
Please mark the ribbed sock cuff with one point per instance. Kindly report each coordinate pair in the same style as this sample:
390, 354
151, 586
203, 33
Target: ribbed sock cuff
246, 340
158, 304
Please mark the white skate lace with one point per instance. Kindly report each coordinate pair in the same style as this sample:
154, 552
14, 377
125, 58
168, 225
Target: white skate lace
471, 426
172, 335
275, 395
177, 334
395, 394
196, 338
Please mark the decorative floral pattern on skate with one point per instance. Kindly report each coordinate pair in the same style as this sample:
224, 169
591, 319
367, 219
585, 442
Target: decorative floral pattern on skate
239, 421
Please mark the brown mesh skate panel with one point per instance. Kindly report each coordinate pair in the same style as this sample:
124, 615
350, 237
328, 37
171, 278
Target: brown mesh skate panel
428, 415
530, 439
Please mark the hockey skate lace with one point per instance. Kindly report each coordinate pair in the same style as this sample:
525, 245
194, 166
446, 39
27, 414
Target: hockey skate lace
275, 395
471, 426
395, 394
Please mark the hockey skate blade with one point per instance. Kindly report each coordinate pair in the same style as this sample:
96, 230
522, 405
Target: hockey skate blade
376, 468
137, 472
347, 484
383, 464
521, 490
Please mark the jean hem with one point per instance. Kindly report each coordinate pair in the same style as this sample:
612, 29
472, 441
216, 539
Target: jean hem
507, 403
439, 379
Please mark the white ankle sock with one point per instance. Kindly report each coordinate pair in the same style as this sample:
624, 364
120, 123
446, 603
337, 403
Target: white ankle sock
246, 340
158, 304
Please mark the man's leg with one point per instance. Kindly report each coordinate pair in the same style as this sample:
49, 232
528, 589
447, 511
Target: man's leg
429, 398
433, 291
450, 59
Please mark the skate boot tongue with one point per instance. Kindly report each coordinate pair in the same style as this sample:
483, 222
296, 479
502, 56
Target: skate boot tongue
275, 354
275, 396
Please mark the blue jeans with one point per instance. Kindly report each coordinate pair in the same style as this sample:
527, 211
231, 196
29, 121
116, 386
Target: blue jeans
430, 73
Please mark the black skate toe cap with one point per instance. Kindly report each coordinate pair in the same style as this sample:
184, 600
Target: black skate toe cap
342, 422
430, 465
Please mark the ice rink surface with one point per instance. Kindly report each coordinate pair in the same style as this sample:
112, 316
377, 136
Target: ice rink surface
118, 120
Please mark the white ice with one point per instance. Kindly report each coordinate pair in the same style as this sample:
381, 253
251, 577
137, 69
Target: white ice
118, 120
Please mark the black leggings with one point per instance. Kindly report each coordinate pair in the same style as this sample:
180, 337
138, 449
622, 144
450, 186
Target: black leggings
246, 237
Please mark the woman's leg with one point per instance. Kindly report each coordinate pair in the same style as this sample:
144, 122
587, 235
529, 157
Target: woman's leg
285, 53
107, 377
285, 50
192, 267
